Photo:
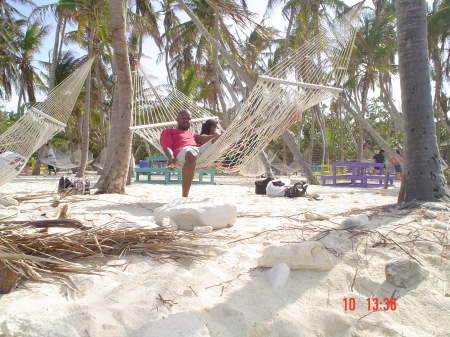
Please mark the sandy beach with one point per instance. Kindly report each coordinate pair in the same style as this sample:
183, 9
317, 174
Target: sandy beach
228, 293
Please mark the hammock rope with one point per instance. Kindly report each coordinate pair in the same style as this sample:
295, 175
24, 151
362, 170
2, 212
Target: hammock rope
40, 123
308, 76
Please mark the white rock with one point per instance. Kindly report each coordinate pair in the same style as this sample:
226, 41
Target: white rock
278, 275
7, 201
430, 214
441, 225
315, 216
192, 212
202, 229
435, 206
183, 324
304, 255
32, 326
355, 221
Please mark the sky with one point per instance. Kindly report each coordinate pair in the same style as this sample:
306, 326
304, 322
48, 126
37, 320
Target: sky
256, 6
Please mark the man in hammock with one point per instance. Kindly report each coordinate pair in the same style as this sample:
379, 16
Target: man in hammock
182, 147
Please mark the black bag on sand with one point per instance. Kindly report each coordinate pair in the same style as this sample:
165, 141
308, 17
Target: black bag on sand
298, 190
261, 185
73, 185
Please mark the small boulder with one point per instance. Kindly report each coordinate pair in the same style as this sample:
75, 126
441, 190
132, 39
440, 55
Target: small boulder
430, 214
6, 201
355, 221
188, 213
304, 255
435, 206
404, 273
441, 225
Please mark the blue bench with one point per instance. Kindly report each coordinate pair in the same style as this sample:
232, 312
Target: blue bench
170, 177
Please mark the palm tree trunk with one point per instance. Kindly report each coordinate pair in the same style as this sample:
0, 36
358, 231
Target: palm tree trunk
422, 173
87, 108
298, 158
311, 137
392, 110
55, 53
119, 146
357, 115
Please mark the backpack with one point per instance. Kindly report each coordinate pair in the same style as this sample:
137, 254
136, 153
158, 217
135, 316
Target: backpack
73, 185
261, 185
298, 190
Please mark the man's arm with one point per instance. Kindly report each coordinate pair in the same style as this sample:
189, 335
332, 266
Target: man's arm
166, 143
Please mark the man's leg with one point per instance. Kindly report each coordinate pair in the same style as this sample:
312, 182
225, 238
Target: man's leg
188, 172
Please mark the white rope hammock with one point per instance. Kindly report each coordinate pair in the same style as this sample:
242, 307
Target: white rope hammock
155, 108
41, 122
309, 75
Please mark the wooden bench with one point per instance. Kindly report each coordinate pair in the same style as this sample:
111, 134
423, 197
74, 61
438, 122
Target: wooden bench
355, 180
171, 177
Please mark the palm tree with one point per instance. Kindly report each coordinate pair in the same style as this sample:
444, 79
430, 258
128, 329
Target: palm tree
374, 45
422, 178
28, 44
114, 177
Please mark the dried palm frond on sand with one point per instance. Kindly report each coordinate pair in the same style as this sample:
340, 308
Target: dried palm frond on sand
29, 253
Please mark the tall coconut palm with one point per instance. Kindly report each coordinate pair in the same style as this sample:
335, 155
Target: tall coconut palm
422, 177
119, 150
374, 45
28, 44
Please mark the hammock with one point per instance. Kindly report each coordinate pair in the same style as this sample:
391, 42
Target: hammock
309, 75
40, 123
156, 108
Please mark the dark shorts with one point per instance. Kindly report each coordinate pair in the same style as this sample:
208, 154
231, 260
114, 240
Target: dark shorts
398, 168
50, 167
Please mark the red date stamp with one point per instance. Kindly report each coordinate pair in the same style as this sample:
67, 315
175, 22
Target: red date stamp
373, 304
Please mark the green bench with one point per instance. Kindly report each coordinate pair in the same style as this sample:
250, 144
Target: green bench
153, 174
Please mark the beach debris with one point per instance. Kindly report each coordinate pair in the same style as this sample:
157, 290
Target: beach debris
404, 273
188, 213
62, 212
316, 216
38, 255
8, 278
278, 275
182, 324
36, 326
303, 255
355, 221
7, 201
430, 214
56, 201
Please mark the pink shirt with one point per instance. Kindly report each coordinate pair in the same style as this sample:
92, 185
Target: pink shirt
176, 139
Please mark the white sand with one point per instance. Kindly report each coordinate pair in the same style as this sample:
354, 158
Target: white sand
227, 295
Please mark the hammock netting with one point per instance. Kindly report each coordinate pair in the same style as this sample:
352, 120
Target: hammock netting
40, 123
309, 75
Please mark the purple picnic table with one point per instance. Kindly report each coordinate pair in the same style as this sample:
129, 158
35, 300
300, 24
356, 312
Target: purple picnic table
358, 175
